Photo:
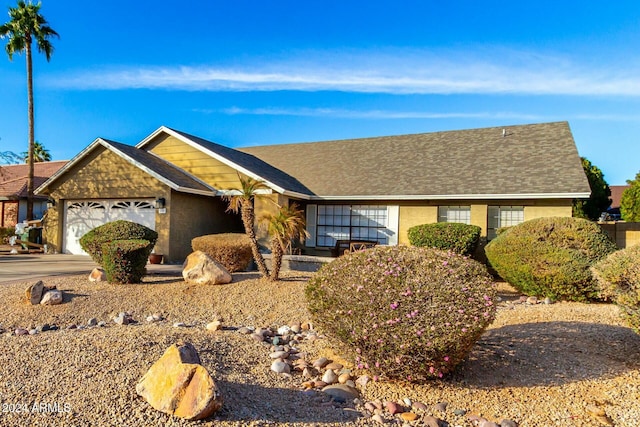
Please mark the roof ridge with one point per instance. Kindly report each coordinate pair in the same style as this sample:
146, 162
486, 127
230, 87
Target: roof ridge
370, 138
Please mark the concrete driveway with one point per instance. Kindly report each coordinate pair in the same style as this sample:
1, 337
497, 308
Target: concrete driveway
31, 266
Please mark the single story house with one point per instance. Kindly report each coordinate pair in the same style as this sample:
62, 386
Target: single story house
13, 191
370, 189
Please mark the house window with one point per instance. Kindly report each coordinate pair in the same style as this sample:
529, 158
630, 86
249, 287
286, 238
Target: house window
351, 222
503, 216
461, 214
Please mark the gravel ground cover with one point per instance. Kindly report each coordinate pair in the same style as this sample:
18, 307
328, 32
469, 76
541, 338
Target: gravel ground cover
540, 365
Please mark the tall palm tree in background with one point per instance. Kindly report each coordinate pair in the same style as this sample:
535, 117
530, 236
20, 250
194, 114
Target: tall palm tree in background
40, 154
26, 26
241, 200
286, 225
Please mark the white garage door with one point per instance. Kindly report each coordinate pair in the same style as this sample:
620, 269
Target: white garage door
84, 215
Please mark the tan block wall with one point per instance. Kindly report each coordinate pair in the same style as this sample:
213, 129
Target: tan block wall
410, 216
625, 234
194, 161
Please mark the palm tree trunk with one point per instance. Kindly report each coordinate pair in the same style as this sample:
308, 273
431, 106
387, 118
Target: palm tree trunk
248, 218
276, 259
31, 130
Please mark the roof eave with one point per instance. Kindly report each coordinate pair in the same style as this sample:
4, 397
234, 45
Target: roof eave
537, 196
197, 192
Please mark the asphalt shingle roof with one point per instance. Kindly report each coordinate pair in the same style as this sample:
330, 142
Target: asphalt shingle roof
14, 178
528, 159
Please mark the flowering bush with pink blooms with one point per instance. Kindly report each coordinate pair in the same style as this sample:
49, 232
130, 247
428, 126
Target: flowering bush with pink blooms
404, 312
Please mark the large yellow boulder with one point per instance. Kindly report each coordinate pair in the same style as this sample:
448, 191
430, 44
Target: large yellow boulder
200, 269
177, 384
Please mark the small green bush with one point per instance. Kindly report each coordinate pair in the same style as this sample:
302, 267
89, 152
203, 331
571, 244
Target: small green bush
125, 260
403, 312
92, 242
551, 257
619, 278
232, 250
460, 238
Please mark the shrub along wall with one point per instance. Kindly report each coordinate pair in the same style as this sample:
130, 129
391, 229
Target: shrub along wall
232, 250
460, 238
551, 257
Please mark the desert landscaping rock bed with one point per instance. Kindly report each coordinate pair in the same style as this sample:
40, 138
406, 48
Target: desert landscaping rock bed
539, 365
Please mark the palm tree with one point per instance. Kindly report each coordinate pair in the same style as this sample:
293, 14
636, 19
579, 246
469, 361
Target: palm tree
284, 226
241, 199
28, 25
40, 154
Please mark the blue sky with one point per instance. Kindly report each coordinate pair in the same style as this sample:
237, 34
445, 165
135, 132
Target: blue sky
247, 73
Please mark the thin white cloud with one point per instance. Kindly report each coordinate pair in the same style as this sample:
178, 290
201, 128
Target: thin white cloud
365, 114
391, 115
390, 72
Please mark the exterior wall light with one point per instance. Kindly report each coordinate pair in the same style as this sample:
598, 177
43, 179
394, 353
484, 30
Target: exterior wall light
51, 203
160, 203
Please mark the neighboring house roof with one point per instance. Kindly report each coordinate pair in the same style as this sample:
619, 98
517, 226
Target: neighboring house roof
165, 172
616, 195
243, 162
14, 178
526, 161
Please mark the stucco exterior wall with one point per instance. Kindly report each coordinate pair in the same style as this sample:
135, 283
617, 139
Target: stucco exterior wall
532, 212
416, 213
192, 216
194, 161
411, 216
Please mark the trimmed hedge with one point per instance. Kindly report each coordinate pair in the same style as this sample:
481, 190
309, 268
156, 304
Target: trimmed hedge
232, 250
92, 242
619, 278
551, 257
403, 312
460, 238
125, 260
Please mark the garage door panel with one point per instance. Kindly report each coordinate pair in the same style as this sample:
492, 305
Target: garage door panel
82, 216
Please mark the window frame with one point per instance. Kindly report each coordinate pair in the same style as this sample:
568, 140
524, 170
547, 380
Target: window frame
462, 214
354, 222
495, 218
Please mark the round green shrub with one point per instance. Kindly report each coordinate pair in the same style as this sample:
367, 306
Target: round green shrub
125, 260
619, 278
92, 241
403, 312
232, 250
551, 257
460, 238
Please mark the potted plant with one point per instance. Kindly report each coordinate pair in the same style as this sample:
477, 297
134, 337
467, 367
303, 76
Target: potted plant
155, 258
